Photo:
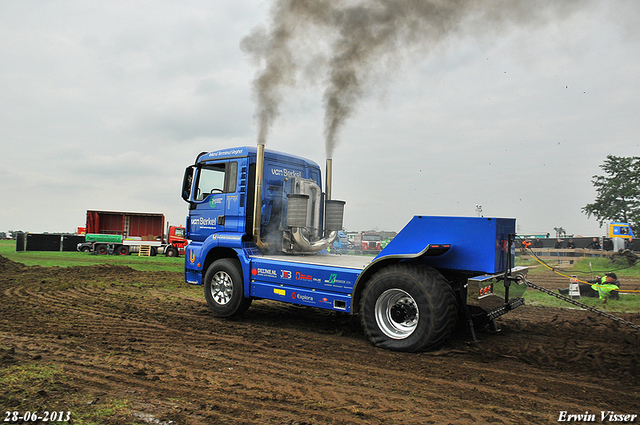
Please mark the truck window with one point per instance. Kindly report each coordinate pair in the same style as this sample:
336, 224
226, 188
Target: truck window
232, 176
216, 178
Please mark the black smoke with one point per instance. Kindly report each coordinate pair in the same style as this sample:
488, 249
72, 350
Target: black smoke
348, 46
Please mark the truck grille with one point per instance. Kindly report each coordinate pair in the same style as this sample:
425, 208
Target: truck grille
372, 245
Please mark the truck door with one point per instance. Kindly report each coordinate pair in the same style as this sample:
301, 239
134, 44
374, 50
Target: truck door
214, 207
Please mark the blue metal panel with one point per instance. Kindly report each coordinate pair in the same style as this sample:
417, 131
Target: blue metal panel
299, 275
303, 296
478, 244
196, 253
192, 255
193, 263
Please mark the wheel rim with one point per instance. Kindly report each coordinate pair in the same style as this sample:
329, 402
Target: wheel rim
396, 313
221, 287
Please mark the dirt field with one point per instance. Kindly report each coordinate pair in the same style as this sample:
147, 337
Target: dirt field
116, 346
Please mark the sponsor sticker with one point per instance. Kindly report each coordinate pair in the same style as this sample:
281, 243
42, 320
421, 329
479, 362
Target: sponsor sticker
259, 271
203, 222
285, 274
300, 276
333, 280
283, 172
301, 297
227, 152
214, 202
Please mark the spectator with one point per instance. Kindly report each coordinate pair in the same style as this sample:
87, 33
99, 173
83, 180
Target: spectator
607, 287
558, 245
571, 245
594, 244
526, 244
628, 244
603, 288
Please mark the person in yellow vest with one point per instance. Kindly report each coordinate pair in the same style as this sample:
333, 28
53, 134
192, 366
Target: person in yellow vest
607, 287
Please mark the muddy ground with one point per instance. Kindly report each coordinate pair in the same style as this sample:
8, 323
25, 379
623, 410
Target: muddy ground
112, 345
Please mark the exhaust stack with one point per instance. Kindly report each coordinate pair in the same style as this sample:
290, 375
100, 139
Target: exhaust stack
257, 203
329, 179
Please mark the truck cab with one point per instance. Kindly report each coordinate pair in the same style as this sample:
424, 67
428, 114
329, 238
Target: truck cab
220, 190
371, 242
176, 238
621, 234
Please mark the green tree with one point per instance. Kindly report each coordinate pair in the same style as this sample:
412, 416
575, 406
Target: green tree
618, 192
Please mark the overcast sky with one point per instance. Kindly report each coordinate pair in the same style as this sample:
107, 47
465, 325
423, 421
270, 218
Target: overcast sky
104, 104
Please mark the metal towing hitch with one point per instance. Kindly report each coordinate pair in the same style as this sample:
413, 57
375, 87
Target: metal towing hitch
491, 296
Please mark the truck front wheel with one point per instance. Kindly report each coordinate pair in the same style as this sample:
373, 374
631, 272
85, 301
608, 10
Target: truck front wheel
408, 308
223, 288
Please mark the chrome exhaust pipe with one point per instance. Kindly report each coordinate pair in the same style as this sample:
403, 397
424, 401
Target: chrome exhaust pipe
330, 234
328, 179
257, 199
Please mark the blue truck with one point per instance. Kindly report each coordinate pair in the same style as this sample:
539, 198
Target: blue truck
341, 244
260, 225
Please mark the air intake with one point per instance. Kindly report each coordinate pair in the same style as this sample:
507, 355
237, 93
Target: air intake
297, 210
333, 215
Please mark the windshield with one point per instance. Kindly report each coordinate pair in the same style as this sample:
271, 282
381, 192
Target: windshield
371, 238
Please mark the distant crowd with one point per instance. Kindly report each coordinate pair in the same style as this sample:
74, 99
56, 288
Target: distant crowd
604, 243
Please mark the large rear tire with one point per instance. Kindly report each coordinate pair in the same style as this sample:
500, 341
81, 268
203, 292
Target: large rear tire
408, 308
223, 288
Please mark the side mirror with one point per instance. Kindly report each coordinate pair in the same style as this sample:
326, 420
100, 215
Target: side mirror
187, 182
